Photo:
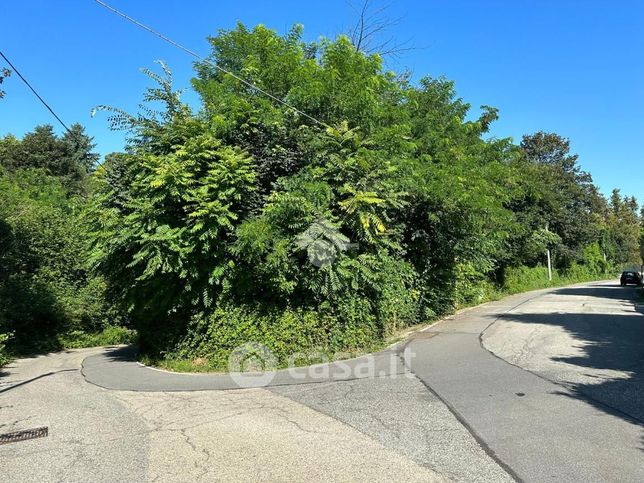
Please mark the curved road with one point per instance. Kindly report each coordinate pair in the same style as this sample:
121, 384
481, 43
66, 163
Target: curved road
547, 385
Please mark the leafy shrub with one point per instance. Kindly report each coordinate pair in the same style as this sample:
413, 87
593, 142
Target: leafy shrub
249, 222
110, 335
285, 332
577, 273
394, 293
523, 279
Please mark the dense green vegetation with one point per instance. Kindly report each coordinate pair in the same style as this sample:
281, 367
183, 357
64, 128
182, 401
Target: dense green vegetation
249, 221
48, 299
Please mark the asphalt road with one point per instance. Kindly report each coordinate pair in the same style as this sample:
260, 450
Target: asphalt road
99, 435
551, 411
540, 386
588, 338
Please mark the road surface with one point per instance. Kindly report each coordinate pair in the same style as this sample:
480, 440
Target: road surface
550, 382
540, 386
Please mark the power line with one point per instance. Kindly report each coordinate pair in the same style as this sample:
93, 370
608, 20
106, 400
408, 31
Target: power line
197, 56
13, 67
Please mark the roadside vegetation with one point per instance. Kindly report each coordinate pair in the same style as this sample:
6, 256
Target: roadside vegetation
48, 298
387, 205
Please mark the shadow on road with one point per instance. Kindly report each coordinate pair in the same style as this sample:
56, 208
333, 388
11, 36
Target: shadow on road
122, 353
15, 384
607, 341
605, 290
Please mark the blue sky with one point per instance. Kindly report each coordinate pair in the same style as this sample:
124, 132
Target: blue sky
572, 67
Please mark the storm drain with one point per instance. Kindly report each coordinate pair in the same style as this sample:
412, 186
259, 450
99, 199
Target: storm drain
24, 435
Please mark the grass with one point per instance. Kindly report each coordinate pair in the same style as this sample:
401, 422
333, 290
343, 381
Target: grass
203, 365
198, 364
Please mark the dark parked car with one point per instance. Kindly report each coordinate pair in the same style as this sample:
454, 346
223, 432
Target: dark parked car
629, 277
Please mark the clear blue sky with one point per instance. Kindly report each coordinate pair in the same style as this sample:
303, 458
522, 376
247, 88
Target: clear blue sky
572, 67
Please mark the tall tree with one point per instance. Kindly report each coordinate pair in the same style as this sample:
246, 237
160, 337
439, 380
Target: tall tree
79, 148
550, 149
70, 157
623, 225
562, 195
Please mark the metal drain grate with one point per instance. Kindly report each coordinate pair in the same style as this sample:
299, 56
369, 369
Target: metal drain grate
24, 435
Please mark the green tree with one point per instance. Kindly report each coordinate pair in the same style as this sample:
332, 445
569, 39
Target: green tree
45, 289
165, 212
558, 194
622, 222
79, 148
69, 157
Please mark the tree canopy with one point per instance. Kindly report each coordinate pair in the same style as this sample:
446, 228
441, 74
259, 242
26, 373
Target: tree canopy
68, 157
385, 204
356, 204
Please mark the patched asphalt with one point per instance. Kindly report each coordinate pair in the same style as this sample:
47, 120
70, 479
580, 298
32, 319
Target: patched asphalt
399, 412
98, 435
540, 429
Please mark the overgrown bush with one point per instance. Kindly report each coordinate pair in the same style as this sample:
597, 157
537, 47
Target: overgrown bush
108, 335
385, 206
523, 279
45, 289
216, 335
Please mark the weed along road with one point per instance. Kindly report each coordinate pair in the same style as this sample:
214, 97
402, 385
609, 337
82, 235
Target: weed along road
543, 386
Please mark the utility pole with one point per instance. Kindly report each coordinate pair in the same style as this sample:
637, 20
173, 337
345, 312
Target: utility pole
549, 261
549, 266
